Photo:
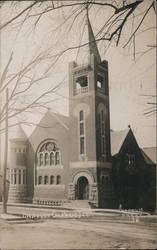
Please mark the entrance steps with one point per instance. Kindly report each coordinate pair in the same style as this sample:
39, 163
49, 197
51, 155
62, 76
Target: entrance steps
78, 204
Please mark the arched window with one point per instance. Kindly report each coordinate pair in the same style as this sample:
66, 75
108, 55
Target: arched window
49, 154
46, 159
52, 160
82, 132
41, 159
58, 179
52, 179
45, 179
40, 180
57, 158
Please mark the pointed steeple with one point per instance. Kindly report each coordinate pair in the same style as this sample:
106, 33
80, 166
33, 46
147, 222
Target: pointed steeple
93, 49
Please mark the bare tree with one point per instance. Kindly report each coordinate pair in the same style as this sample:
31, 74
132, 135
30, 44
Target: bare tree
23, 85
121, 13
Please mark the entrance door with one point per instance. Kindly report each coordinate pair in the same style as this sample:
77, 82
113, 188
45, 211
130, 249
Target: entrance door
82, 188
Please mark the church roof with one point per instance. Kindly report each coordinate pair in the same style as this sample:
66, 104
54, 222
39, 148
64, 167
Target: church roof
63, 120
117, 139
17, 133
149, 155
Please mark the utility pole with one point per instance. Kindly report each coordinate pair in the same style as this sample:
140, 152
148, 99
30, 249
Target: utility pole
4, 193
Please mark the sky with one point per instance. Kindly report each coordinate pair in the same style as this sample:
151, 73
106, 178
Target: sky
129, 79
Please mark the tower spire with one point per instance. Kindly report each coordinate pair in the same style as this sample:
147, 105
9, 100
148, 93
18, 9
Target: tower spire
93, 49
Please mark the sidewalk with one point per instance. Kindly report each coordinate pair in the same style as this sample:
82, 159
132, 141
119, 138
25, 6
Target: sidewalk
10, 217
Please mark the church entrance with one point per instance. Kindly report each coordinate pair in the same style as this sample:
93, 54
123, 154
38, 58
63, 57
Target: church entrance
82, 189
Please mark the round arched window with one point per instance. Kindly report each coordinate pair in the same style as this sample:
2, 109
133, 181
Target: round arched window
48, 154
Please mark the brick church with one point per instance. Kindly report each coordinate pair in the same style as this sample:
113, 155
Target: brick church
79, 157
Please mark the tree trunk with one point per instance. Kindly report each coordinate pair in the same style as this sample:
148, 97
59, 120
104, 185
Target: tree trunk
4, 194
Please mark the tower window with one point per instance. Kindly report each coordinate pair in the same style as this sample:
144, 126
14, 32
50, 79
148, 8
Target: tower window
81, 85
100, 82
82, 128
81, 115
82, 81
82, 132
82, 151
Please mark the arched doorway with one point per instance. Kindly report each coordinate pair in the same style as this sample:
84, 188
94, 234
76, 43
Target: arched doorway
82, 188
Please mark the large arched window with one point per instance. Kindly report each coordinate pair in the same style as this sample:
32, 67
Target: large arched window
49, 154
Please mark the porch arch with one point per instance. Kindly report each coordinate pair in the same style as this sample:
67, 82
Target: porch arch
89, 177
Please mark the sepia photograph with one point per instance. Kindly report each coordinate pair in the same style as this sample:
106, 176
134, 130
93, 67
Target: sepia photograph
78, 124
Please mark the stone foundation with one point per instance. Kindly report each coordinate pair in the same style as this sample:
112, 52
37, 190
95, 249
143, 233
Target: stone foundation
17, 194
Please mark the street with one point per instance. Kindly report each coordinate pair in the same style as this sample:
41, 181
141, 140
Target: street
94, 232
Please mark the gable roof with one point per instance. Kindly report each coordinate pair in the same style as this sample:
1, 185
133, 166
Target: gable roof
117, 140
63, 120
17, 133
149, 155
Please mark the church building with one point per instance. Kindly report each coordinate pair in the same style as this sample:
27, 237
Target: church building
79, 158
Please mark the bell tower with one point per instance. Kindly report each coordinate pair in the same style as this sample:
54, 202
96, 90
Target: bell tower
90, 155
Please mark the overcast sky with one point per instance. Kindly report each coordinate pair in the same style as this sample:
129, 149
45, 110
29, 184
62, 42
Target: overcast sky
129, 79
